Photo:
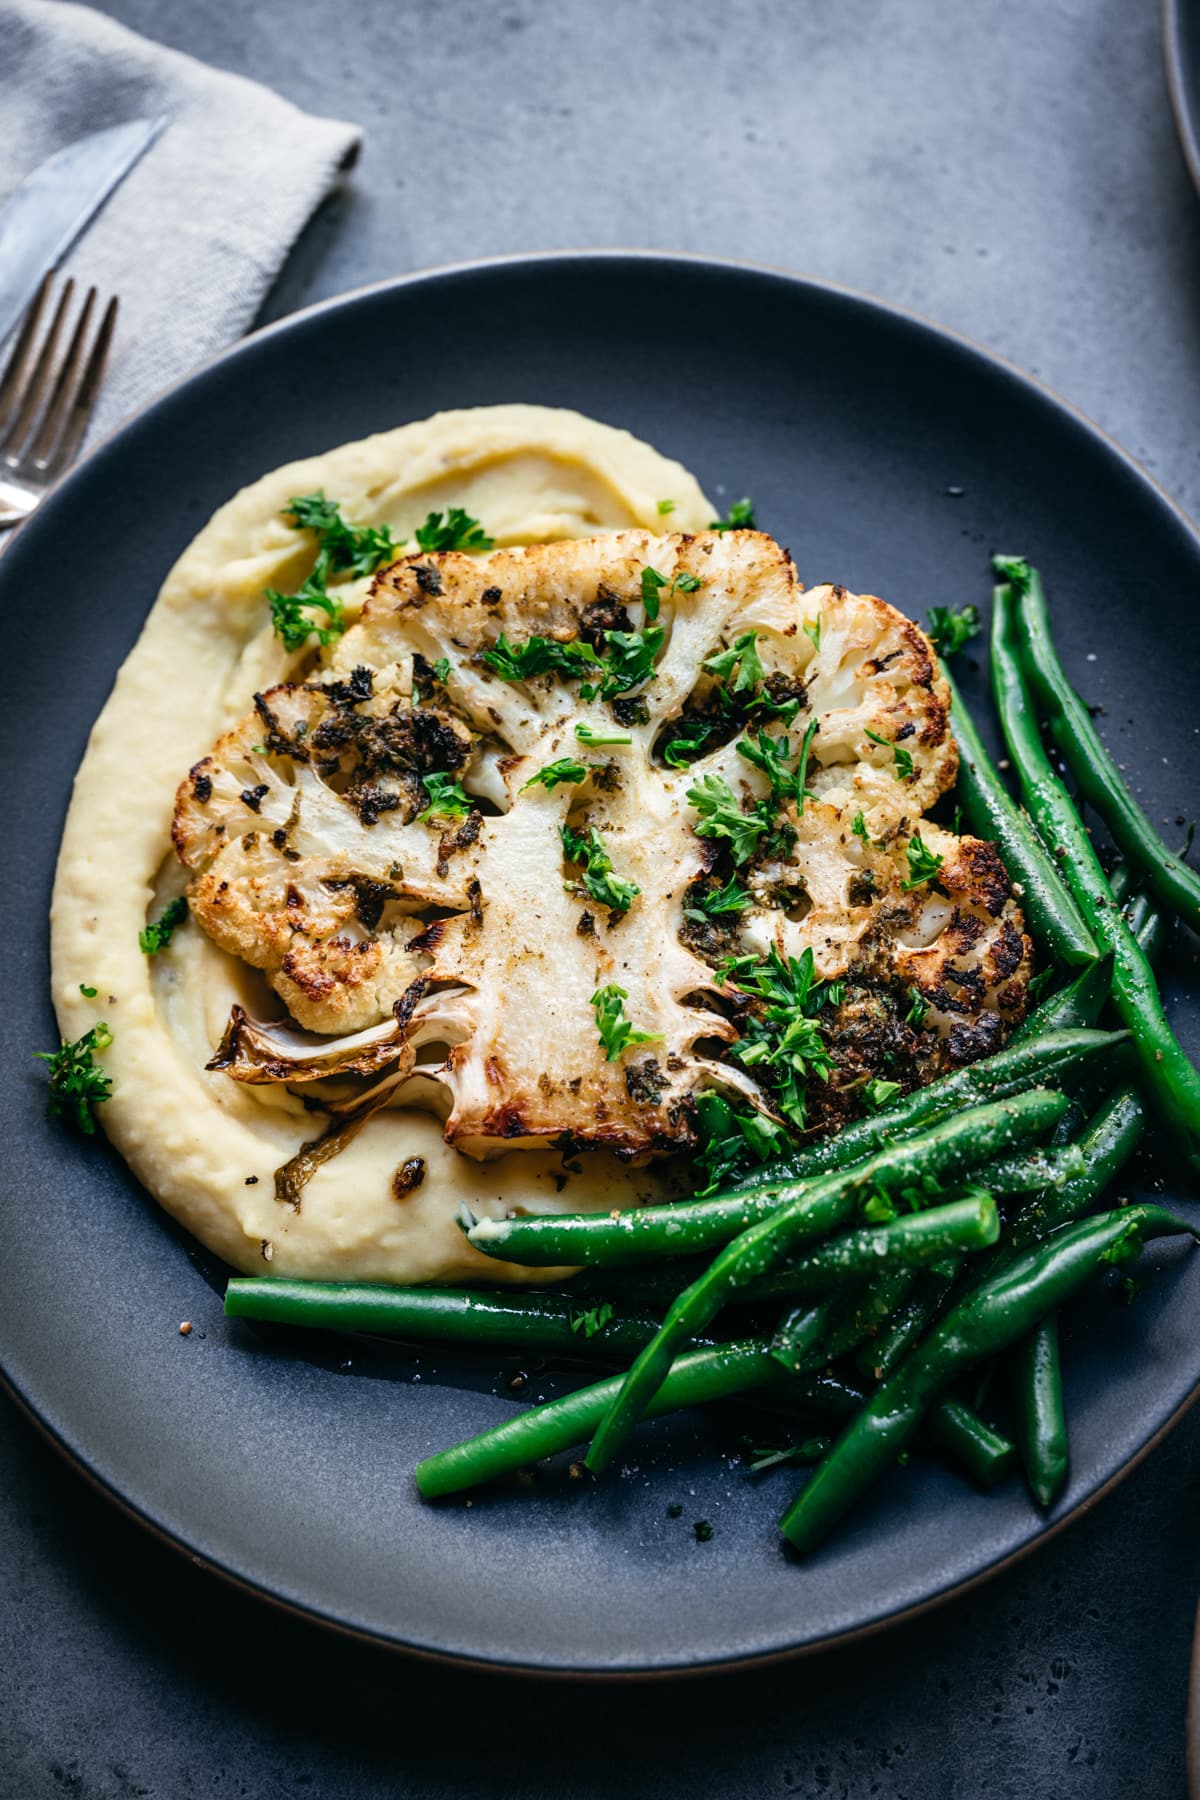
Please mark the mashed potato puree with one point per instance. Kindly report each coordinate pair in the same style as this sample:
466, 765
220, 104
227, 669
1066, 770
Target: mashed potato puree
208, 1147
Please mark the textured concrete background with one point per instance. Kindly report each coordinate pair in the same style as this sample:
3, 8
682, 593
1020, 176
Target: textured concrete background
1010, 169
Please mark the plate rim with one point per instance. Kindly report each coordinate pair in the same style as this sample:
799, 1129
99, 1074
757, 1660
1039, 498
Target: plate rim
551, 261
1187, 123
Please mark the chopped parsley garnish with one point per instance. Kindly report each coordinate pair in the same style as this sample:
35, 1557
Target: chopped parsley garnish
630, 662
454, 530
772, 756
740, 517
702, 1531
592, 1319
923, 863
652, 582
588, 850
777, 1456
565, 769
683, 748
89, 993
918, 1011
813, 631
731, 1139
859, 828
665, 507
157, 935
351, 550
717, 902
688, 583
586, 735
742, 656
782, 1041
878, 1209
539, 656
342, 549
900, 756
616, 1033
950, 630
441, 670
77, 1085
446, 798
722, 817
879, 1093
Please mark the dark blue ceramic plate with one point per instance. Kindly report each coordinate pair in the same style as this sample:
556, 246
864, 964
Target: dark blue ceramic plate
888, 455
1181, 47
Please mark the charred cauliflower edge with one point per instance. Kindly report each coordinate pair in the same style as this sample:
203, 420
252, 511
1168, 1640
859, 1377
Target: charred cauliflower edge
531, 781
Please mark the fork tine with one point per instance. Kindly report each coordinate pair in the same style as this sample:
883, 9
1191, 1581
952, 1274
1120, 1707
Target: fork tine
12, 382
85, 397
64, 388
38, 382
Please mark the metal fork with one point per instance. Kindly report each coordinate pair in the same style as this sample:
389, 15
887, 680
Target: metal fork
45, 402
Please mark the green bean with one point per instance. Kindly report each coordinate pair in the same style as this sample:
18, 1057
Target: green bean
986, 1454
1018, 1066
1148, 926
880, 1355
1173, 883
948, 1149
984, 1322
1073, 1008
701, 1376
914, 1239
679, 1227
1041, 1421
991, 812
1110, 1139
861, 1315
513, 1321
1171, 1082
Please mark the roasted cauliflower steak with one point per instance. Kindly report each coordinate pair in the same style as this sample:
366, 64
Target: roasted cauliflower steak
540, 786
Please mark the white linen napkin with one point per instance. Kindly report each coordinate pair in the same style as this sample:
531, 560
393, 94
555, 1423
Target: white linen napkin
195, 235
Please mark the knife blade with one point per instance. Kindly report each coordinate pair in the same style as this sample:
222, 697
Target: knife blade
42, 217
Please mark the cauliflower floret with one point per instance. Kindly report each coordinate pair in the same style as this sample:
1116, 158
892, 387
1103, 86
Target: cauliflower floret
591, 705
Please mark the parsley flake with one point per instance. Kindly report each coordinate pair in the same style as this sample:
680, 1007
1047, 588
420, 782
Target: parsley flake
565, 769
722, 817
616, 1033
813, 631
592, 1319
441, 670
879, 1093
586, 735
342, 549
588, 849
446, 798
950, 630
77, 1085
454, 530
665, 507
652, 583
900, 756
714, 903
923, 863
740, 517
157, 935
742, 656
859, 828
539, 656
89, 993
682, 749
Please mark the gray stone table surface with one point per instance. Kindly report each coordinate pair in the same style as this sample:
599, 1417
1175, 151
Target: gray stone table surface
1005, 166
